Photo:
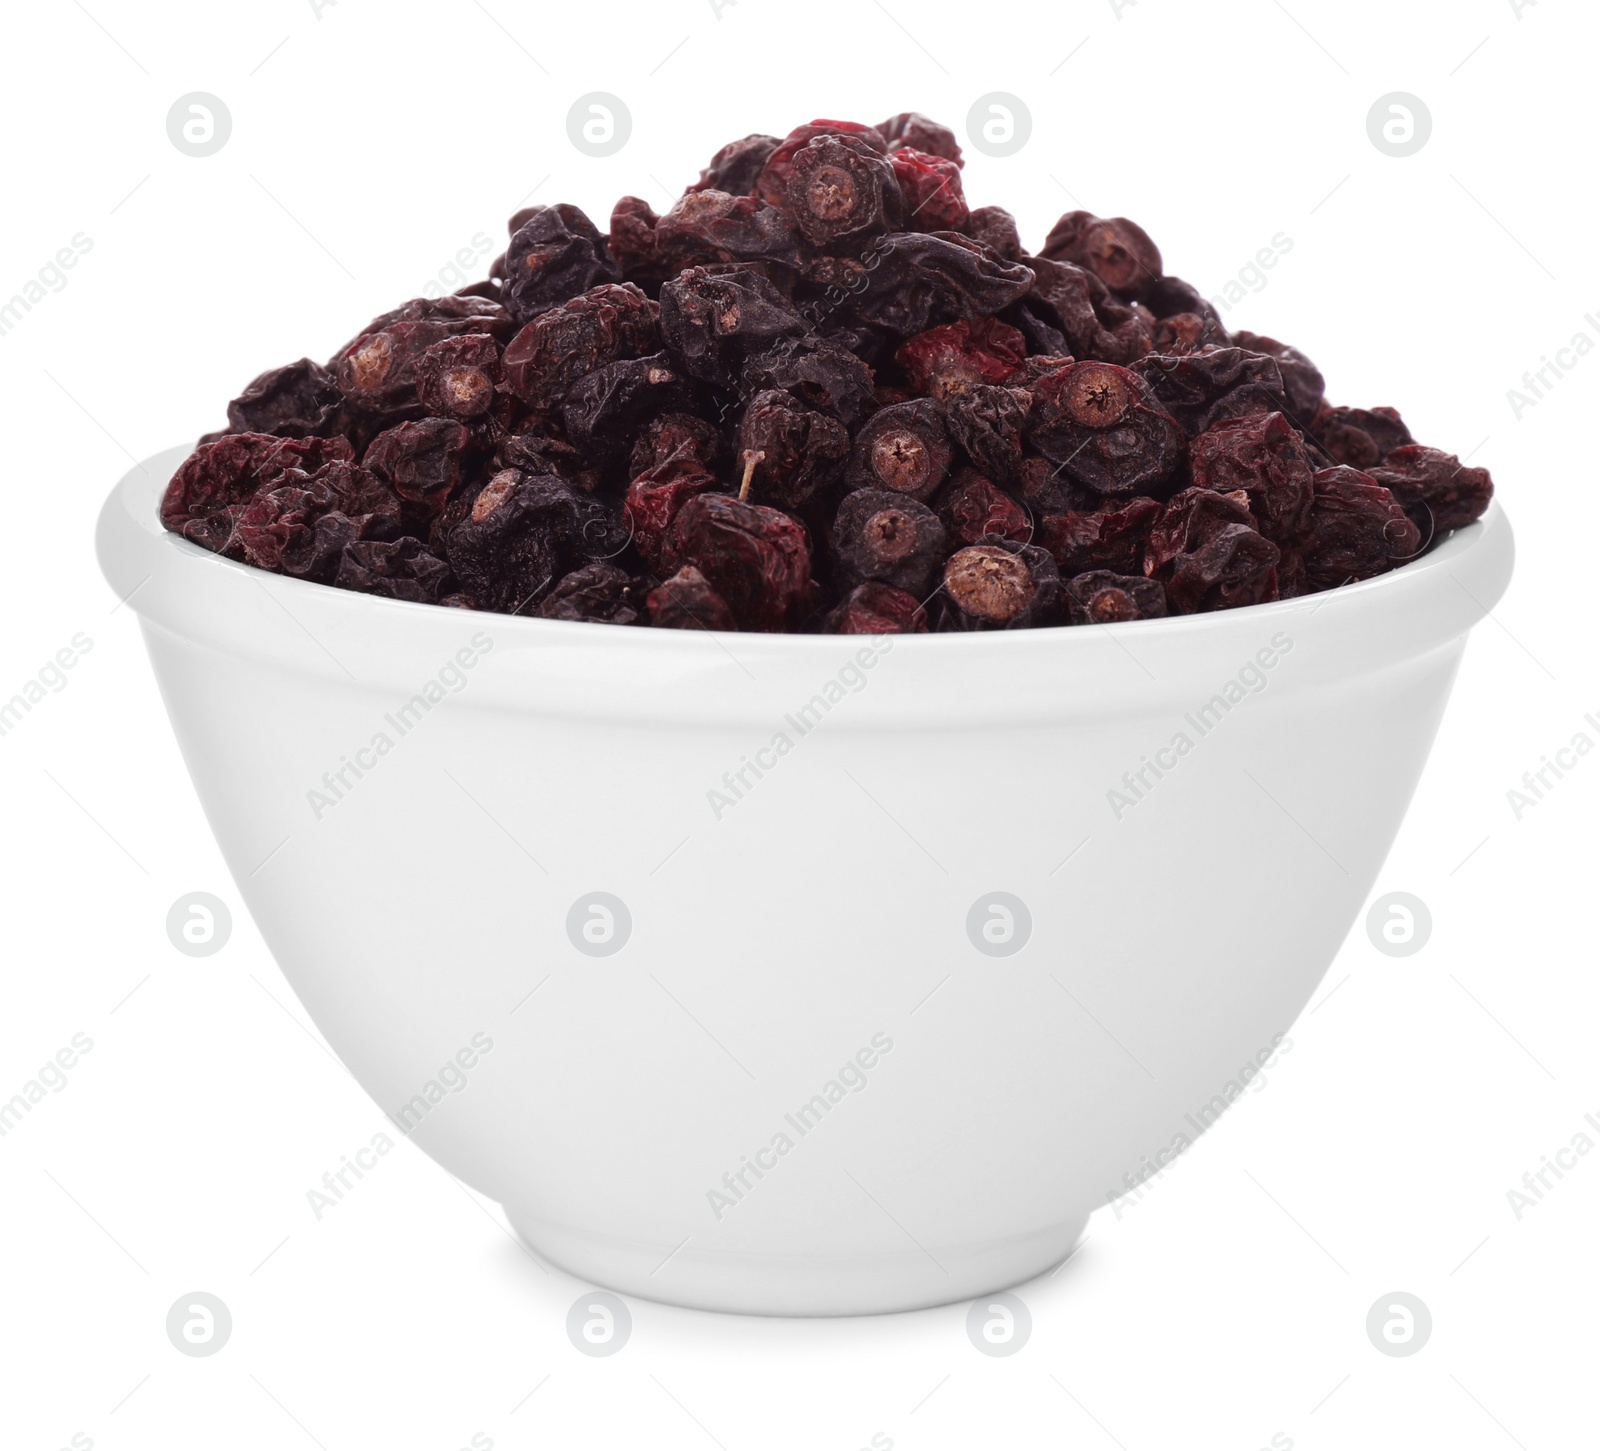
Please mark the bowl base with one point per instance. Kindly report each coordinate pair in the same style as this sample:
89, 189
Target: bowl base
753, 1283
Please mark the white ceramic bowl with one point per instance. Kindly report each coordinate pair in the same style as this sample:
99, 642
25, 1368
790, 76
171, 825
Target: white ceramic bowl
799, 1087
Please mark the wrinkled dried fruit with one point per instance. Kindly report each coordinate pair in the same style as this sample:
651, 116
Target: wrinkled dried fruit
877, 609
1110, 539
688, 602
1100, 424
598, 593
1265, 458
948, 360
1206, 550
1358, 529
574, 338
1100, 597
757, 559
890, 538
972, 508
792, 450
1001, 586
1427, 479
903, 447
401, 569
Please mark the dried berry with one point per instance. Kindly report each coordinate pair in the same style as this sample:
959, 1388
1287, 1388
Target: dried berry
1001, 586
1265, 458
922, 279
827, 376
996, 228
877, 609
421, 461
790, 450
1206, 550
1303, 383
903, 447
1100, 597
887, 537
457, 377
711, 228
401, 569
574, 338
911, 130
1201, 389
1358, 529
951, 359
1082, 542
736, 166
773, 182
524, 533
301, 524
688, 602
1428, 479
930, 191
292, 401
208, 493
654, 498
987, 422
1360, 437
605, 409
757, 559
713, 319
599, 593
670, 437
1118, 252
1094, 324
972, 508
555, 254
1102, 426
841, 194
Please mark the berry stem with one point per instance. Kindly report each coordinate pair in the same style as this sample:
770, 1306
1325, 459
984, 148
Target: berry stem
752, 456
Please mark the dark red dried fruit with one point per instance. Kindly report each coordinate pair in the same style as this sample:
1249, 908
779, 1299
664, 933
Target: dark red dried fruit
877, 609
736, 166
1091, 320
711, 228
756, 558
1100, 597
1303, 383
401, 569
922, 279
1428, 479
599, 593
713, 319
911, 130
903, 447
1118, 252
301, 525
948, 360
987, 422
654, 498
792, 450
670, 437
841, 194
1358, 529
889, 538
1203, 388
996, 228
930, 191
605, 409
972, 508
571, 340
1206, 550
1101, 425
422, 461
1265, 458
555, 254
1360, 437
688, 602
1109, 539
208, 493
458, 377
292, 401
824, 374
773, 181
1000, 586
525, 533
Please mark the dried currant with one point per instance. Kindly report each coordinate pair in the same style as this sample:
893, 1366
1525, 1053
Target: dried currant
1102, 426
890, 538
599, 593
876, 609
996, 228
1428, 479
930, 191
688, 602
922, 279
757, 559
736, 166
1118, 252
421, 461
714, 319
400, 569
972, 508
654, 498
1360, 437
555, 254
903, 447
951, 359
1000, 586
790, 450
669, 437
773, 181
574, 338
301, 524
292, 401
1303, 383
1266, 458
840, 193
987, 422
208, 493
1082, 542
1358, 529
913, 131
458, 377
1207, 552
1202, 388
1099, 597
605, 409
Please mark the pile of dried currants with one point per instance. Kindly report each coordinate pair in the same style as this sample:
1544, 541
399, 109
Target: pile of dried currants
819, 393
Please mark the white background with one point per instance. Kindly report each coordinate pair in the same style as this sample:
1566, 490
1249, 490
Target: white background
1228, 1307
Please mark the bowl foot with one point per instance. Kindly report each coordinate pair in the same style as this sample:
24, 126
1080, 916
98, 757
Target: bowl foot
758, 1283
